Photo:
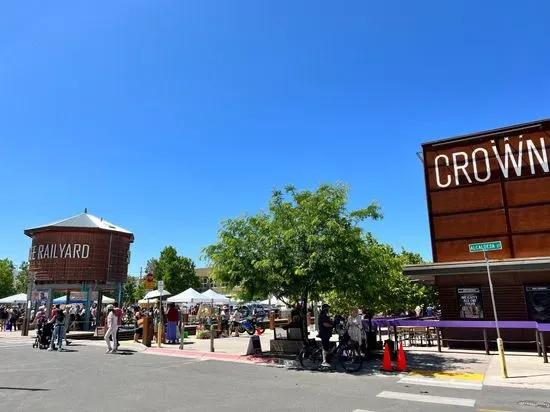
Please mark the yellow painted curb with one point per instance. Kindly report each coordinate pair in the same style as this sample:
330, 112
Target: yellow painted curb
448, 374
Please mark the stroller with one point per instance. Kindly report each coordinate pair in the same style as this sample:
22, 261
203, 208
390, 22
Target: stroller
43, 336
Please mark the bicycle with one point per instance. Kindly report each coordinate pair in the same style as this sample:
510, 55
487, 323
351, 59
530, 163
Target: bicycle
347, 352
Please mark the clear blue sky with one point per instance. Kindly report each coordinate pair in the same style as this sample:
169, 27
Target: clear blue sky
165, 117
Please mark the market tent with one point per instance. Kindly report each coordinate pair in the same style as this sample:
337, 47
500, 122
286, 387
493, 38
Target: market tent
155, 294
211, 295
63, 299
187, 296
19, 298
147, 301
273, 302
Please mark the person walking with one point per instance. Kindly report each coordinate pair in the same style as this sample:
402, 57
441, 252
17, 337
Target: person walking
67, 324
234, 321
138, 324
172, 317
112, 325
118, 313
58, 329
355, 327
325, 331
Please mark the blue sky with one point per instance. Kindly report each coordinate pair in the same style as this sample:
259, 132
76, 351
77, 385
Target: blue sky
167, 117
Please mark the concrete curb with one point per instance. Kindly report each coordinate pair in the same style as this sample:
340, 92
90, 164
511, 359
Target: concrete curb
228, 357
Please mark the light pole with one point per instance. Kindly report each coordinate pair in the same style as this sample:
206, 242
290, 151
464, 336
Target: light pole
30, 287
500, 343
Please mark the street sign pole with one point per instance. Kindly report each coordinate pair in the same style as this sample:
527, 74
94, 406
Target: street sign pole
160, 329
27, 319
485, 247
500, 343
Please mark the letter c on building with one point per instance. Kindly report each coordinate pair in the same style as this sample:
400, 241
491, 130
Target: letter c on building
437, 176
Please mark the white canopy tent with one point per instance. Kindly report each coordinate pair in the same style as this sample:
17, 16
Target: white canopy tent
14, 299
105, 300
215, 297
154, 294
273, 301
188, 296
147, 301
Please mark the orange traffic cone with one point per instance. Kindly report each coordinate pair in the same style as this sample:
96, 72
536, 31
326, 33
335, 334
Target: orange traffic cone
386, 361
401, 359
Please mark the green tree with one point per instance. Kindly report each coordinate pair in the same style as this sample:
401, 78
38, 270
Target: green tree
307, 245
129, 291
22, 278
6, 277
177, 272
151, 266
381, 286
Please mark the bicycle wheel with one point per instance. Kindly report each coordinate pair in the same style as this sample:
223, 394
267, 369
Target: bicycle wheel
350, 359
311, 357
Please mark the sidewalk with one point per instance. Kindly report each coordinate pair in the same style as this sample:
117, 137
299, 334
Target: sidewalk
225, 349
525, 369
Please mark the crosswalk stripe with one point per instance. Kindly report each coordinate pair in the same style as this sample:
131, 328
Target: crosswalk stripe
441, 400
443, 383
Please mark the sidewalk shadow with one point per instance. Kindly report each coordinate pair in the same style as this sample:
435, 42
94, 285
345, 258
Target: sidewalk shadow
125, 352
428, 363
440, 363
6, 388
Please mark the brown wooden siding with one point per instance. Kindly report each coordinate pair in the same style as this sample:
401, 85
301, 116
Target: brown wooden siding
514, 210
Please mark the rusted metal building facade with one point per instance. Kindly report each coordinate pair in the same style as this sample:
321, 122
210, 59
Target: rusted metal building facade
81, 253
490, 186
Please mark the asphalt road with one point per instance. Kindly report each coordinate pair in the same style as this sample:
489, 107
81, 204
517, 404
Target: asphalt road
86, 379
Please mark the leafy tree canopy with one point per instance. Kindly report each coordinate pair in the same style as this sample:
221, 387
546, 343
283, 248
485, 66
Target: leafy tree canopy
381, 286
306, 245
22, 278
6, 277
177, 272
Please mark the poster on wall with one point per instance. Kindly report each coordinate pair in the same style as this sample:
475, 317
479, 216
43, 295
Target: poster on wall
81, 297
40, 296
471, 303
538, 303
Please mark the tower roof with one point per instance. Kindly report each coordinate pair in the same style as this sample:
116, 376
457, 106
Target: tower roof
81, 221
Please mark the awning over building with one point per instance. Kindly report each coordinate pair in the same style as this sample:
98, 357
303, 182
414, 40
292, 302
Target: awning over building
426, 272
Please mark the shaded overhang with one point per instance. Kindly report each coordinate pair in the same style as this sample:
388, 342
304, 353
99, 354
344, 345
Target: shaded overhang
426, 272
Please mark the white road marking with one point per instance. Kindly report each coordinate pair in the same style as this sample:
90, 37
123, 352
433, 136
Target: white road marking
475, 386
361, 410
441, 400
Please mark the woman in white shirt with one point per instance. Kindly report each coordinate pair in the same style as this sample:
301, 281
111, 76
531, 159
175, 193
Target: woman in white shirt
355, 326
112, 325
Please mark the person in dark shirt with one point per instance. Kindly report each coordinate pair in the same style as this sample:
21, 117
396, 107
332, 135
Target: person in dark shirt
325, 331
59, 328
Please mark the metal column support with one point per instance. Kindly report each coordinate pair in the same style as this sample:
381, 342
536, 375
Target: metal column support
486, 341
544, 352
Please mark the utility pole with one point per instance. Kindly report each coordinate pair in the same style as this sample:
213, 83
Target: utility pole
26, 320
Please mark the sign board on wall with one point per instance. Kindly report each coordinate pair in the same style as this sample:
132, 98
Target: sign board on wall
485, 247
470, 302
149, 281
517, 158
40, 296
489, 186
82, 296
538, 303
